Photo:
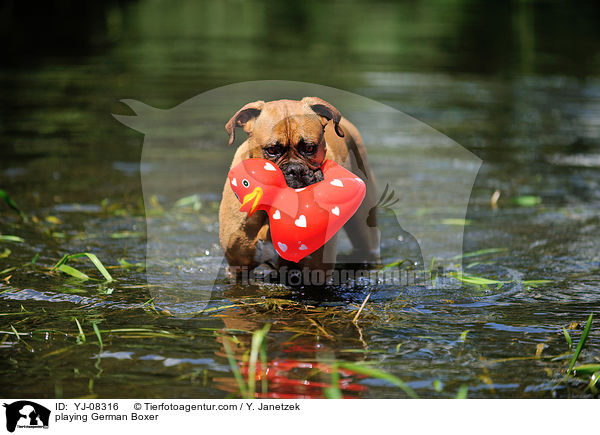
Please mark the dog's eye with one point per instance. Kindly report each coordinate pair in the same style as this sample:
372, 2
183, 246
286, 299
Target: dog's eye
274, 150
245, 183
309, 149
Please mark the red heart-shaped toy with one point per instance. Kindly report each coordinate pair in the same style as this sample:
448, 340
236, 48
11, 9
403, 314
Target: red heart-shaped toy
301, 220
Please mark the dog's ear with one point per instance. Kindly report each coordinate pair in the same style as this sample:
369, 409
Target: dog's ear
243, 118
326, 110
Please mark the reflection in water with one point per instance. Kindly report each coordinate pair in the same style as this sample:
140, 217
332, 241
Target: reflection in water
303, 342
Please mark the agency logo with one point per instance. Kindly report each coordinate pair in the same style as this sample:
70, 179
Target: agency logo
413, 218
25, 414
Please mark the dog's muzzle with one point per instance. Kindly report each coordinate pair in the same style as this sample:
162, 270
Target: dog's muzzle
297, 175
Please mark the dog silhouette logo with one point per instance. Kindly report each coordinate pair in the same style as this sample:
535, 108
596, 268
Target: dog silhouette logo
420, 218
26, 414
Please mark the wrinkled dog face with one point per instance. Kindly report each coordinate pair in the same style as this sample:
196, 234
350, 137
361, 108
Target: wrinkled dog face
290, 134
297, 146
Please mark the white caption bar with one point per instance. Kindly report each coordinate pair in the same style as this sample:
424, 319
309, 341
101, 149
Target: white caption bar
25, 416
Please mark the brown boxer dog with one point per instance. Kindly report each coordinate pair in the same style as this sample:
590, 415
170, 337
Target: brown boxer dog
297, 136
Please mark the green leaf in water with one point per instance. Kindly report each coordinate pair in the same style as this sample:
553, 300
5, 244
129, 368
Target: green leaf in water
127, 265
98, 335
580, 344
10, 269
333, 391
594, 382
476, 280
463, 391
12, 204
568, 337
379, 374
190, 201
53, 220
73, 272
5, 253
127, 235
105, 290
234, 368
257, 341
479, 253
93, 259
81, 335
456, 221
15, 332
527, 200
586, 369
9, 238
463, 336
393, 264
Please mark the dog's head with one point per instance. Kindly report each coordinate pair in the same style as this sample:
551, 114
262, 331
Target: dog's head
289, 133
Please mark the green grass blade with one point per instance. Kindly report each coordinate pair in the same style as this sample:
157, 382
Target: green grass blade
586, 369
9, 238
568, 337
456, 221
257, 340
263, 360
73, 272
479, 253
97, 332
463, 391
393, 264
594, 382
99, 266
81, 335
527, 200
333, 391
190, 201
476, 280
15, 332
67, 257
60, 262
12, 204
234, 368
584, 336
379, 374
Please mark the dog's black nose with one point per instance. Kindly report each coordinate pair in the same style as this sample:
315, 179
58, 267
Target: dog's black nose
297, 175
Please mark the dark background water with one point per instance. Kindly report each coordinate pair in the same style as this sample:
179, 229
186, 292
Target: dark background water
516, 83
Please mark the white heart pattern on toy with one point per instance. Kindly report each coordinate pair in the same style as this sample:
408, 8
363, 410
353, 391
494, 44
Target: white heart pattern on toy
335, 210
301, 221
269, 167
276, 215
282, 246
337, 182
